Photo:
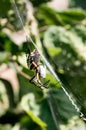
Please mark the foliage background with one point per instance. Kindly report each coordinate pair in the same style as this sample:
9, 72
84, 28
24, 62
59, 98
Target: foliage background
61, 37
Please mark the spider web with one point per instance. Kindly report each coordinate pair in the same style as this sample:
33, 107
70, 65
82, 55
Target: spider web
28, 37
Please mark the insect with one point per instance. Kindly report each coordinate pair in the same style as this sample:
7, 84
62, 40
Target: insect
34, 63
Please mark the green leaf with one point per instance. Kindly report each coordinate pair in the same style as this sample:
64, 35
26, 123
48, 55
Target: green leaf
27, 87
5, 6
4, 57
9, 92
60, 105
81, 32
72, 16
69, 64
48, 16
75, 124
7, 44
37, 120
32, 109
69, 43
38, 111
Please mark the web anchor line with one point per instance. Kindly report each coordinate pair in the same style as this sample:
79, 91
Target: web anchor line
28, 37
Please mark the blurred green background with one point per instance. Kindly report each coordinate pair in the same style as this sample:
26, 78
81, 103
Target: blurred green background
59, 30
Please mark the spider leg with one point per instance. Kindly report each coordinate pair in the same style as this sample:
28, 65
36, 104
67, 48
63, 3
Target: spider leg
36, 76
40, 85
46, 84
38, 81
43, 85
32, 78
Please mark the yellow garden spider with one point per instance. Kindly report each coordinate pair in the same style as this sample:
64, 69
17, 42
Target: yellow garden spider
33, 61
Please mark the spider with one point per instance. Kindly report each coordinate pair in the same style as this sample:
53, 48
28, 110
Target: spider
33, 58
